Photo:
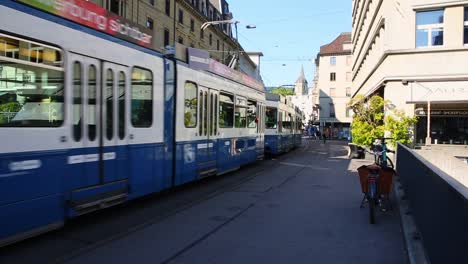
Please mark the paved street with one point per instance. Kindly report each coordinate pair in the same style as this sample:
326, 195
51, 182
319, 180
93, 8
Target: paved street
300, 208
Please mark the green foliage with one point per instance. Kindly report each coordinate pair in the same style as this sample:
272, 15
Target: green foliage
283, 91
10, 107
369, 122
7, 109
398, 125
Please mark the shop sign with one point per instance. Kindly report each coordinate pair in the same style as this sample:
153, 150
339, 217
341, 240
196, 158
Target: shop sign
452, 113
96, 17
439, 91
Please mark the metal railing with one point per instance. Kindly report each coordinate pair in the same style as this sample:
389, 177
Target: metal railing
439, 205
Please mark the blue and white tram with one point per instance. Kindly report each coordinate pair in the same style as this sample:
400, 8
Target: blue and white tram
219, 121
298, 117
88, 121
279, 125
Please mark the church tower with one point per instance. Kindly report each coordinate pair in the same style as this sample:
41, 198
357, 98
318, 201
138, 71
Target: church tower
301, 85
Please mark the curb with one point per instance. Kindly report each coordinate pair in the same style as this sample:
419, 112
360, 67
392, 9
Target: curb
416, 253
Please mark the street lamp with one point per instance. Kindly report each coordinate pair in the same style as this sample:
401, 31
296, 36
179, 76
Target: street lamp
235, 22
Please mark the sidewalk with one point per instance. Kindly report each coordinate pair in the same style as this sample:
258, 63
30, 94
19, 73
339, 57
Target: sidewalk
303, 209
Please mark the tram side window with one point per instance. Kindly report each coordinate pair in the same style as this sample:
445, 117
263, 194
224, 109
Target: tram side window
271, 120
191, 105
142, 98
109, 98
121, 98
286, 124
31, 84
226, 110
92, 110
280, 121
77, 101
251, 114
240, 112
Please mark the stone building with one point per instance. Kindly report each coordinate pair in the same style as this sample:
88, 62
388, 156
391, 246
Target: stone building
333, 78
303, 96
178, 22
415, 53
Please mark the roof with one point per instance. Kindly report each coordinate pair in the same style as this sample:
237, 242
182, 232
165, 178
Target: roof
301, 78
336, 46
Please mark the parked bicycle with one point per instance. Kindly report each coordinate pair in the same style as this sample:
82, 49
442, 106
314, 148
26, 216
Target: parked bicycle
376, 179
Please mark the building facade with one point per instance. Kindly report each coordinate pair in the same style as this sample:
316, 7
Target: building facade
302, 97
333, 78
178, 23
415, 54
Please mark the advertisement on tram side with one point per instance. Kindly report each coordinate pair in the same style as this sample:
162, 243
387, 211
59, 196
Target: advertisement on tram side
96, 17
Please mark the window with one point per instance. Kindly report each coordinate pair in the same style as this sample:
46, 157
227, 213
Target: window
348, 91
271, 118
191, 105
286, 124
151, 2
31, 84
226, 110
205, 115
142, 98
349, 60
332, 110
215, 111
192, 25
109, 97
217, 44
117, 7
251, 114
211, 39
332, 92
91, 107
121, 103
200, 127
465, 40
240, 113
77, 101
348, 76
181, 16
168, 7
280, 121
332, 60
166, 37
349, 112
149, 23
430, 28
333, 76
202, 34
181, 40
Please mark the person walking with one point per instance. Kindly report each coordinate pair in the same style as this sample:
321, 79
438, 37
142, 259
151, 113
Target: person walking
326, 134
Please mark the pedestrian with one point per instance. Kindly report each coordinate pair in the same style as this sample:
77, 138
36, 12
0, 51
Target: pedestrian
326, 133
311, 132
317, 135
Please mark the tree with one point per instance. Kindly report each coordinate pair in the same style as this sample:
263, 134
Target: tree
369, 122
283, 91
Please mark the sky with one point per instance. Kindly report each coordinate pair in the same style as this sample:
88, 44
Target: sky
289, 33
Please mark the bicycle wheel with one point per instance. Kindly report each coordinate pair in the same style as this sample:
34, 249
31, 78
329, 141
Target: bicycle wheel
390, 163
371, 199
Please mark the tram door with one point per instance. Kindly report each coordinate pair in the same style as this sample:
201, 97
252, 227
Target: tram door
99, 140
208, 130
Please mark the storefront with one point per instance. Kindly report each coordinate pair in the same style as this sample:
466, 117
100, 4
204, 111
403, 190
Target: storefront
442, 111
447, 126
337, 129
